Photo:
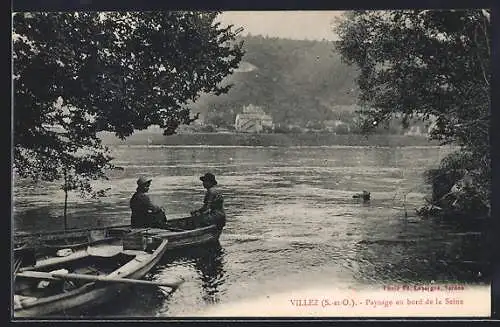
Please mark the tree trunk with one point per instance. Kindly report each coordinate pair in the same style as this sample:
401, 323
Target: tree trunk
65, 201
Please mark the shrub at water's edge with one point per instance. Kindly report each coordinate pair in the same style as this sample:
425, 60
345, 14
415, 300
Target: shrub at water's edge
461, 187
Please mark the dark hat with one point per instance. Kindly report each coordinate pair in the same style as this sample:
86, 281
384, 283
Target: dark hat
209, 177
143, 180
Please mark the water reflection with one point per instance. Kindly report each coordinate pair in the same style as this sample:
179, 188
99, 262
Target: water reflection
208, 262
211, 270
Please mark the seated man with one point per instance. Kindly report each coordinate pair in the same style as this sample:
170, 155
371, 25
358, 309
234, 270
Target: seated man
212, 211
144, 212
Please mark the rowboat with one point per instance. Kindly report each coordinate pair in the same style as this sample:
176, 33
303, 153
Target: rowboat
180, 232
86, 276
51, 241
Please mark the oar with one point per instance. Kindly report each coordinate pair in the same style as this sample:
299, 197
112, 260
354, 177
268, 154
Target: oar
17, 265
91, 278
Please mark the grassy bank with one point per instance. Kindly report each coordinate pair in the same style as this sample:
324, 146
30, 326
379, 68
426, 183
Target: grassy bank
240, 139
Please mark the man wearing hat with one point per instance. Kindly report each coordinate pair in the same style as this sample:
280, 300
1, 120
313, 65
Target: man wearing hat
212, 211
144, 212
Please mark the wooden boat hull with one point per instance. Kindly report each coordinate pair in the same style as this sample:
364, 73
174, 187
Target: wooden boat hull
85, 299
189, 236
180, 235
179, 240
93, 293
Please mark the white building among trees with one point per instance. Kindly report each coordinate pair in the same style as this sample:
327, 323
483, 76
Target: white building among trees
253, 119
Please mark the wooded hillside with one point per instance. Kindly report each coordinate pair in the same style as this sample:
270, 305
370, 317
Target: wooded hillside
295, 81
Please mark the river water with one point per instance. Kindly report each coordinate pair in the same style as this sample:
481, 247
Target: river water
292, 222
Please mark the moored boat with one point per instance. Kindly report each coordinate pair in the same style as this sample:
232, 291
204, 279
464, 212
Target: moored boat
86, 276
180, 233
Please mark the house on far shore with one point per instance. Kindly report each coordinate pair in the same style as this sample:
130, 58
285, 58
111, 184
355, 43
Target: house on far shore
417, 131
253, 119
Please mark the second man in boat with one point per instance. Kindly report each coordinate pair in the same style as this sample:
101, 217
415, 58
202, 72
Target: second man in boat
212, 211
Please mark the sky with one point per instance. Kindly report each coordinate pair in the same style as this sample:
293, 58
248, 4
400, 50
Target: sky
301, 25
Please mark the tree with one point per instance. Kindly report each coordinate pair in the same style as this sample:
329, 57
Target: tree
429, 64
75, 74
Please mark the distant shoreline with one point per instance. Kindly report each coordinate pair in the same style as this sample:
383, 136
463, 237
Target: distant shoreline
243, 139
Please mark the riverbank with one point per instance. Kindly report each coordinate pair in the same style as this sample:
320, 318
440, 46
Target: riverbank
242, 139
